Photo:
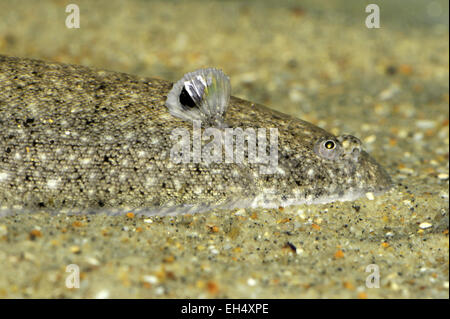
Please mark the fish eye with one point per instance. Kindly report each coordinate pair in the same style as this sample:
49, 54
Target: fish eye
330, 145
328, 149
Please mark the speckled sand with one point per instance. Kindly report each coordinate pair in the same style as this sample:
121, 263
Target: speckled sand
316, 60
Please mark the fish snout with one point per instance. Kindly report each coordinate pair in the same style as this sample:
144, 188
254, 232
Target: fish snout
351, 145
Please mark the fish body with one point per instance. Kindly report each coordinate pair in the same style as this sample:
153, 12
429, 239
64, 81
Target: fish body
79, 138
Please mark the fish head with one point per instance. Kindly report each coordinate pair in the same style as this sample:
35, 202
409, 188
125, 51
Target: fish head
349, 166
322, 168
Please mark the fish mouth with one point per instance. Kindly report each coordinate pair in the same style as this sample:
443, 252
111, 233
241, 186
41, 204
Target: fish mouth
366, 177
373, 177
378, 178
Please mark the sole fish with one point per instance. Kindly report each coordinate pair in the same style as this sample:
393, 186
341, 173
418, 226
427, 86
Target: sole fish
73, 137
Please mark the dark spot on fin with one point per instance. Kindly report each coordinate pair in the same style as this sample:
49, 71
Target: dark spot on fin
185, 99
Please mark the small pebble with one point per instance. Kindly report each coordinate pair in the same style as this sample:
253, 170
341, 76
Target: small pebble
213, 288
339, 254
407, 202
159, 290
394, 286
251, 282
425, 124
92, 261
370, 196
370, 139
425, 225
407, 170
418, 136
102, 294
150, 279
213, 250
29, 256
75, 249
296, 96
443, 176
34, 234
389, 93
301, 214
403, 133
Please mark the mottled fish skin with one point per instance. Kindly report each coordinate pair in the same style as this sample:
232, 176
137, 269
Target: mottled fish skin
75, 137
